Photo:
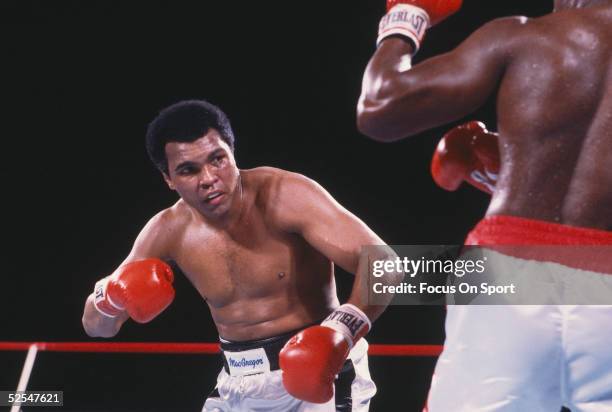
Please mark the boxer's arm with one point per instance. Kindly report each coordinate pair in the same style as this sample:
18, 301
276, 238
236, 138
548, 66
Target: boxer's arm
309, 210
152, 241
399, 100
98, 326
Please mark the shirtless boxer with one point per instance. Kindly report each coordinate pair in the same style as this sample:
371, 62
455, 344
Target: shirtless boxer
553, 81
260, 246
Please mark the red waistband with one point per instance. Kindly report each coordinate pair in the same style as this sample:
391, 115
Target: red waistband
575, 247
511, 230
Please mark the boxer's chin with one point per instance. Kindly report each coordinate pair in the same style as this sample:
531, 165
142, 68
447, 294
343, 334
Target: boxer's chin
217, 208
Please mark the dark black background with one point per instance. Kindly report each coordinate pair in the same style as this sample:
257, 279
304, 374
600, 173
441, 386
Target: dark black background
79, 83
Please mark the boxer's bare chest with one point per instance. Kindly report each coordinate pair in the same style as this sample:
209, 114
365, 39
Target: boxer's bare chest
251, 260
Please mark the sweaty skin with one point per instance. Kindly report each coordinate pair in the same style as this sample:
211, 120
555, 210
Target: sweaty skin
553, 80
261, 253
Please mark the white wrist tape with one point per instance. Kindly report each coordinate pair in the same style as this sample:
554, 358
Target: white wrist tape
404, 20
102, 301
350, 321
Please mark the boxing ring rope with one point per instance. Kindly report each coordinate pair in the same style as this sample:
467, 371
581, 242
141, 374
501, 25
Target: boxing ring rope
170, 348
191, 348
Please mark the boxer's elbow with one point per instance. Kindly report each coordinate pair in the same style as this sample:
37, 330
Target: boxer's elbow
396, 276
386, 114
369, 124
387, 258
379, 123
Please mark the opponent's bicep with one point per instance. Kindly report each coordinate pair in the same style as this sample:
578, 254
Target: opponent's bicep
310, 211
399, 101
453, 85
461, 80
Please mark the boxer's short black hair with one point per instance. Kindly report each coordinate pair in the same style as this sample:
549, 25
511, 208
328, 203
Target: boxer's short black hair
185, 121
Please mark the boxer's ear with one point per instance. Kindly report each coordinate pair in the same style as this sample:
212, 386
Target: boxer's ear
168, 181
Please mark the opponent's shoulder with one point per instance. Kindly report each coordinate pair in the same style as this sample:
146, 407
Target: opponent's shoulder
508, 24
497, 41
551, 37
505, 30
581, 27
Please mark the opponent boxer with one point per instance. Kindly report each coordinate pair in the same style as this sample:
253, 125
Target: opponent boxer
553, 82
260, 246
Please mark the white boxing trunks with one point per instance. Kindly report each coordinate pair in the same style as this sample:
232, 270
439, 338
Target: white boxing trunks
250, 381
515, 358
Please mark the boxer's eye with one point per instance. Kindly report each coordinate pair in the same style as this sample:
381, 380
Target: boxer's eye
217, 160
186, 171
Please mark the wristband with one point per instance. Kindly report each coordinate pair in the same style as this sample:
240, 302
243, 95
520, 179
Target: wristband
350, 321
404, 20
103, 302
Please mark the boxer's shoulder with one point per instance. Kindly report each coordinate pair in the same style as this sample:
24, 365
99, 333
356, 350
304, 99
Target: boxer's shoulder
289, 188
174, 216
283, 195
505, 30
522, 39
510, 23
587, 21
159, 236
273, 184
557, 35
499, 40
171, 220
265, 175
261, 178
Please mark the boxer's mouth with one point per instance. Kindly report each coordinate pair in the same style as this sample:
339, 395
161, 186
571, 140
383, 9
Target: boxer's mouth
214, 197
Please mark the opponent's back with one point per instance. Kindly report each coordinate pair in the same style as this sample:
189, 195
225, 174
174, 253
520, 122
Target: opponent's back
555, 120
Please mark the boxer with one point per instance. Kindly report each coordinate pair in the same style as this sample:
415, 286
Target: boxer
552, 79
260, 246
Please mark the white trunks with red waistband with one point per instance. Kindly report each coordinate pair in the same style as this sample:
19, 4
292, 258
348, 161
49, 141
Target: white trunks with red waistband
529, 357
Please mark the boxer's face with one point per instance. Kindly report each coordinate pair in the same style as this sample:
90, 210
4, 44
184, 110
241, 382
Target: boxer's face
204, 173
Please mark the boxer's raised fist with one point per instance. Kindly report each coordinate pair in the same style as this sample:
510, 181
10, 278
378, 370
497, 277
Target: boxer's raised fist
142, 288
467, 153
410, 18
437, 10
311, 359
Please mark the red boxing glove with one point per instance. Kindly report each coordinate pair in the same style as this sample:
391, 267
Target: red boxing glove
467, 153
142, 288
311, 359
437, 10
410, 18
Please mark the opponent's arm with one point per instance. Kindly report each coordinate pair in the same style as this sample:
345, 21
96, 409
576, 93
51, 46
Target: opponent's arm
311, 359
399, 100
139, 288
